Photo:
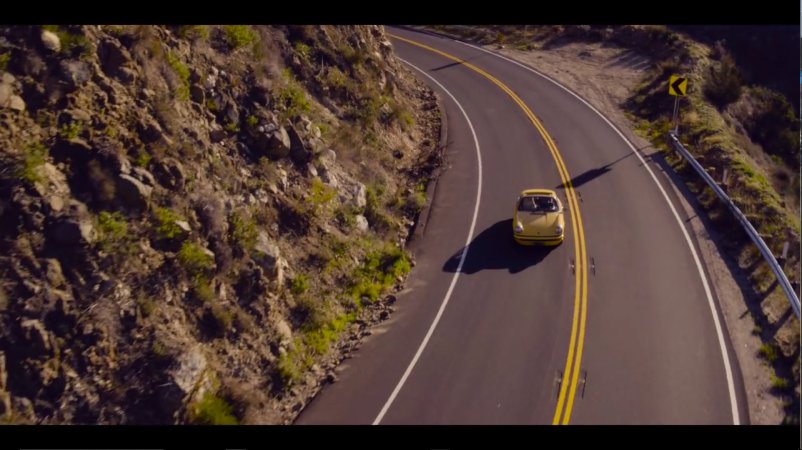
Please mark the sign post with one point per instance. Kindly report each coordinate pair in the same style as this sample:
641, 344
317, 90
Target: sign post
678, 87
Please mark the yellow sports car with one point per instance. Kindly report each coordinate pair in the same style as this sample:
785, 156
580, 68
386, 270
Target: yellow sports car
538, 218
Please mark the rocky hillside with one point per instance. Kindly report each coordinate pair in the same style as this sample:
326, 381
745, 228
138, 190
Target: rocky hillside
197, 223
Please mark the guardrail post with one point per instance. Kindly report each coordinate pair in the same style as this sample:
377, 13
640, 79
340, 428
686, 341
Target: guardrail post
784, 257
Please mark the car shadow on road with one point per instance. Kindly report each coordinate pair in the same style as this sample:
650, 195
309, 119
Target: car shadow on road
494, 248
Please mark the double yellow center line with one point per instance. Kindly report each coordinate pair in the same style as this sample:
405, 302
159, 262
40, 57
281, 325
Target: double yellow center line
565, 401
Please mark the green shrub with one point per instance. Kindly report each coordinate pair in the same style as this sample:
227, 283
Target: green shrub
768, 351
367, 112
335, 78
320, 339
194, 259
378, 272
143, 159
300, 284
243, 231
71, 130
146, 305
223, 317
33, 158
373, 210
353, 56
182, 91
320, 194
346, 217
212, 410
232, 127
303, 49
779, 383
113, 230
202, 290
159, 350
723, 83
239, 35
403, 117
4, 58
774, 125
293, 97
288, 369
166, 227
193, 32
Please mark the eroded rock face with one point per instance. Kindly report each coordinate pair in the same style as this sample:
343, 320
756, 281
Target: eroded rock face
99, 286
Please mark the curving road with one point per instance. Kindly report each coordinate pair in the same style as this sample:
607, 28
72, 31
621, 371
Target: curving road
494, 334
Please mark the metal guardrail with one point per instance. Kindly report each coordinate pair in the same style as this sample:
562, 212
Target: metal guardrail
782, 279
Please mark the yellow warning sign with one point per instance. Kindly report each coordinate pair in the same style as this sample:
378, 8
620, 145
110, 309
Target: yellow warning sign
677, 86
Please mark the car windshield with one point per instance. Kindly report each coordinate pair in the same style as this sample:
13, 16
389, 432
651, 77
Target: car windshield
537, 203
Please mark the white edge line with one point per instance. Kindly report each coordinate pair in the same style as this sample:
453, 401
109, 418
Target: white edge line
461, 260
724, 353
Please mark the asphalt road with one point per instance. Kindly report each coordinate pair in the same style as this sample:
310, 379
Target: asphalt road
650, 350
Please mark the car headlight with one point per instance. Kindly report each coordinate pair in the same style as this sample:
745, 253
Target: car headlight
519, 228
558, 229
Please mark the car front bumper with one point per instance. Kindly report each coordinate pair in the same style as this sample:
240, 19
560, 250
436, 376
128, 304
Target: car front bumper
538, 240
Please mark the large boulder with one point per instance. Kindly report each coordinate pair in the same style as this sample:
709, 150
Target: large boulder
51, 41
284, 332
266, 252
53, 273
74, 115
36, 336
133, 193
74, 73
5, 95
144, 176
361, 223
16, 103
75, 150
273, 142
149, 130
230, 112
360, 196
197, 93
74, 227
299, 153
170, 173
184, 378
112, 56
189, 369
